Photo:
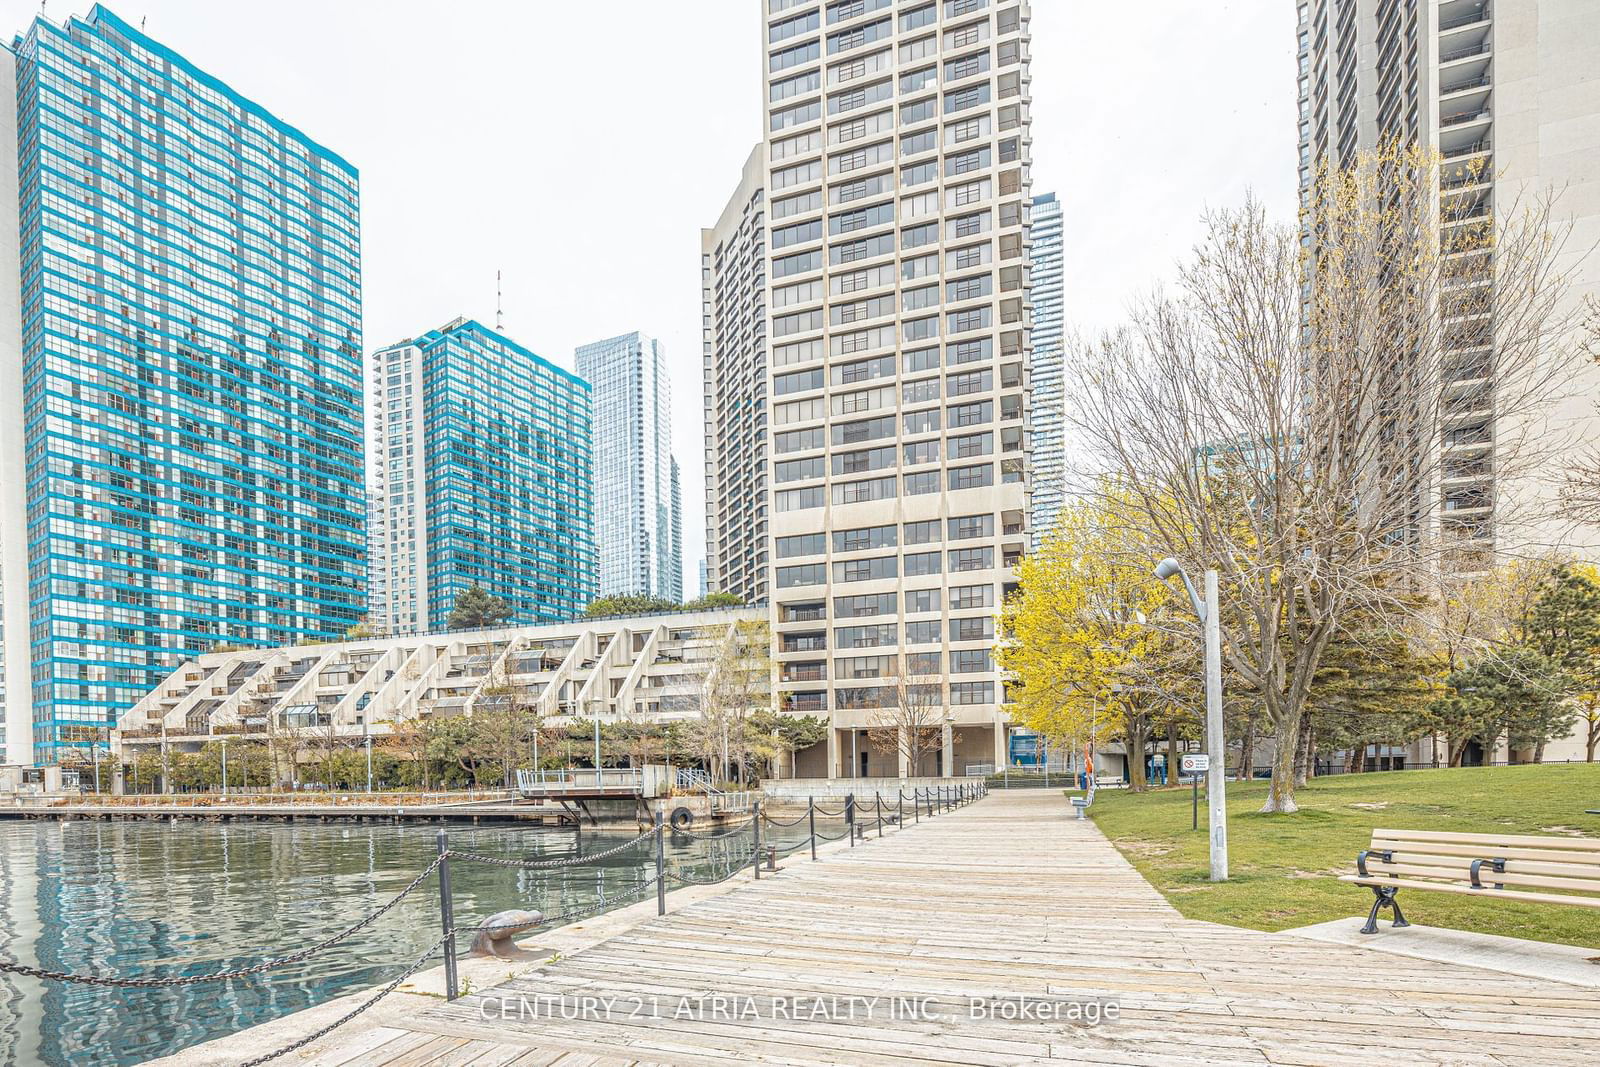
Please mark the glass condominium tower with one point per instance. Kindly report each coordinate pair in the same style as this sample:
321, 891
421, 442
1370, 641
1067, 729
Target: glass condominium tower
897, 201
190, 375
1048, 409
479, 463
637, 522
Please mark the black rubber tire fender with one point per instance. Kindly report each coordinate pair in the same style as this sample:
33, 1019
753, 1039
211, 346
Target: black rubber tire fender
681, 818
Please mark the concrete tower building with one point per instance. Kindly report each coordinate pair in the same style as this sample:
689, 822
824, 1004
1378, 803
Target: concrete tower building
181, 454
733, 273
637, 522
1507, 95
895, 173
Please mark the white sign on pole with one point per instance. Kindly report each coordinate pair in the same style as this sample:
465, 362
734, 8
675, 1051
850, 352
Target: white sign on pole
1195, 763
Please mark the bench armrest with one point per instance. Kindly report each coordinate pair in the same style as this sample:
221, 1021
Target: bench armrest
1387, 855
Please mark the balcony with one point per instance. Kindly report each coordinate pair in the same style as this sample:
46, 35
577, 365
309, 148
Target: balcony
1464, 118
1467, 15
1469, 51
1481, 144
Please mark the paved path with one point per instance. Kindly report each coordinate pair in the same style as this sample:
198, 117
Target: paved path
1006, 898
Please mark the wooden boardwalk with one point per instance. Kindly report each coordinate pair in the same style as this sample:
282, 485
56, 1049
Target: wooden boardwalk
1006, 898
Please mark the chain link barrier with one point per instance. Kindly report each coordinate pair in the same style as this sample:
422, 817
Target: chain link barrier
747, 825
385, 991
546, 865
223, 976
631, 897
735, 869
770, 821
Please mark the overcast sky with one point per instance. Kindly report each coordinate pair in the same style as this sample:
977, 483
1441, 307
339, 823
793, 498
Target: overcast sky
580, 147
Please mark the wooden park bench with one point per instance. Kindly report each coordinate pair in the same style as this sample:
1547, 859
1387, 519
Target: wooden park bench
1501, 866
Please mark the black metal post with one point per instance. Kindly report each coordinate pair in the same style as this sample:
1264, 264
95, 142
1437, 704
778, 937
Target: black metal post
878, 799
850, 817
661, 863
811, 819
900, 809
447, 918
755, 855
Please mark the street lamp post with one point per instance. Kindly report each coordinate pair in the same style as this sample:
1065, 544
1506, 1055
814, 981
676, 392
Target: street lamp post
224, 766
1216, 776
367, 741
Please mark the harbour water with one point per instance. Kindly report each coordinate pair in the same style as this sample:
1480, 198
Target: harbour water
157, 899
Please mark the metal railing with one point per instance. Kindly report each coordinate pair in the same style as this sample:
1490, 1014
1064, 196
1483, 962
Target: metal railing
575, 779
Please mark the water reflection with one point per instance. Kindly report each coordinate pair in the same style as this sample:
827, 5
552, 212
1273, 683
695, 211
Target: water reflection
171, 898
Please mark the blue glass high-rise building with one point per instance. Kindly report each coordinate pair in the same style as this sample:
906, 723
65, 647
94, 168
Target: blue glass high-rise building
481, 473
190, 374
1048, 412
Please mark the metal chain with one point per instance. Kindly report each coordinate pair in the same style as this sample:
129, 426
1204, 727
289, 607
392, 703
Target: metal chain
834, 814
535, 865
716, 837
779, 822
385, 991
221, 976
565, 917
735, 869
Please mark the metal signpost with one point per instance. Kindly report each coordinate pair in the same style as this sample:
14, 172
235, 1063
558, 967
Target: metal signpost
1194, 764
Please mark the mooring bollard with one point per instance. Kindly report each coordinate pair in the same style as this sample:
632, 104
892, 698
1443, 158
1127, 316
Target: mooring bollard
447, 918
811, 819
661, 863
772, 857
850, 817
495, 933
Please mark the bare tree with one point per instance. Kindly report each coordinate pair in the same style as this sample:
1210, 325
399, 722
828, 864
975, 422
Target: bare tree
735, 680
1288, 419
504, 716
909, 720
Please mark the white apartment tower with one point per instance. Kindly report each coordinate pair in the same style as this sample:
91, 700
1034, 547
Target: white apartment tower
897, 351
1506, 93
733, 272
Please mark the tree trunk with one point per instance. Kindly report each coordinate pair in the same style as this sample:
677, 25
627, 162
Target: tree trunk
1303, 748
1138, 734
1247, 749
1280, 793
1172, 752
1593, 740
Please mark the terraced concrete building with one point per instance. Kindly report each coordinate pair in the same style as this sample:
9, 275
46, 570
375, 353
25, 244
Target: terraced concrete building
638, 668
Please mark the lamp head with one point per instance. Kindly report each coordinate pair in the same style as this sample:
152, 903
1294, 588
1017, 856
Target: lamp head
1168, 568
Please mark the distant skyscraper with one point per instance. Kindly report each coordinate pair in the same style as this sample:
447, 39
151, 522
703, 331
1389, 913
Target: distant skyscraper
183, 423
1048, 408
479, 461
733, 271
637, 523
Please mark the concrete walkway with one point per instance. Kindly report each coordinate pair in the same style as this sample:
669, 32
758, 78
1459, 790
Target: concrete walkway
1007, 902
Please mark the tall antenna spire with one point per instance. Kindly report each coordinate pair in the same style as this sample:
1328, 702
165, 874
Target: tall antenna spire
499, 305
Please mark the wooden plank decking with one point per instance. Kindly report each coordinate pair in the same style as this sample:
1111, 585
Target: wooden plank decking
1006, 898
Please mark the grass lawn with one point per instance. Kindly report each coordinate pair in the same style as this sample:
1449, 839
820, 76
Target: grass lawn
1284, 868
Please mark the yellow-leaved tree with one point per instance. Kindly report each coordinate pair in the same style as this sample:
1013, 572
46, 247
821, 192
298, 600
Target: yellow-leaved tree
1081, 640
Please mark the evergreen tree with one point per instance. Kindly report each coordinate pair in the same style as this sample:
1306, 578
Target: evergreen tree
477, 609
